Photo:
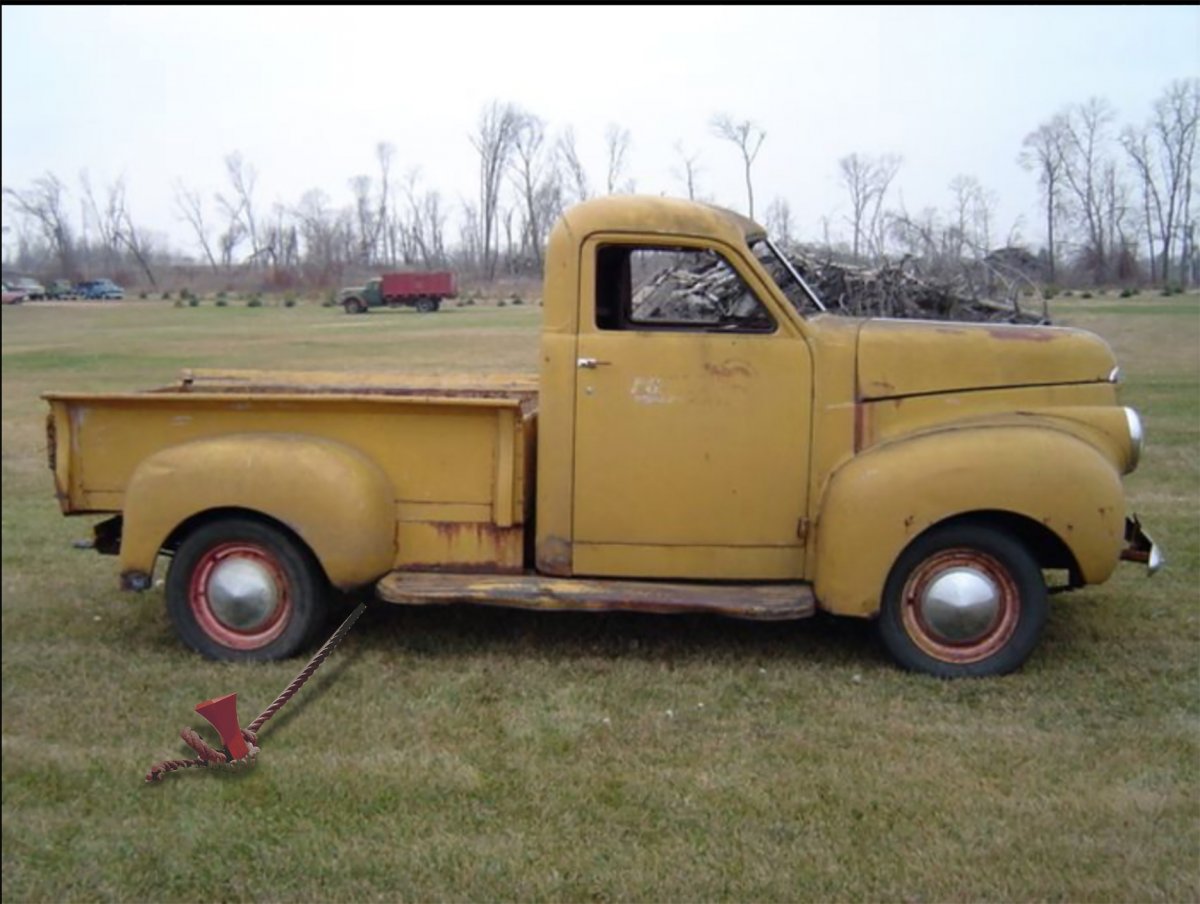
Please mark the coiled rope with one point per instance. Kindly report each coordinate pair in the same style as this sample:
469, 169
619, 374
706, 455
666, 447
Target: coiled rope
208, 755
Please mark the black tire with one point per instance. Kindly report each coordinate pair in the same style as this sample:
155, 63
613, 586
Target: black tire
427, 305
275, 605
354, 306
987, 617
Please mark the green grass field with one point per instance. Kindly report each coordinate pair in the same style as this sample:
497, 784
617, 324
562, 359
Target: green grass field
470, 754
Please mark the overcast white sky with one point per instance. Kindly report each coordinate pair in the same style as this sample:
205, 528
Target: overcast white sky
306, 93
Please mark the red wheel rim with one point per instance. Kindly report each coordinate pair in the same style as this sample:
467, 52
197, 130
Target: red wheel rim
207, 599
977, 566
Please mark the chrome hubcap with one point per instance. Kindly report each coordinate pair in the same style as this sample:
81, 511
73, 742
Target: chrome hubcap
242, 594
961, 605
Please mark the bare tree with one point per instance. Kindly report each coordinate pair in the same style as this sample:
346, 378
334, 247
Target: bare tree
319, 233
779, 220
384, 152
470, 233
867, 181
365, 218
493, 141
1042, 154
1163, 155
191, 209
576, 176
966, 192
617, 141
125, 232
749, 139
104, 218
1086, 171
532, 169
239, 208
434, 217
688, 170
45, 205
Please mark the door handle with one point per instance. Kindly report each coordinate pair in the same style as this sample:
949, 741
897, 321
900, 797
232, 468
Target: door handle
591, 363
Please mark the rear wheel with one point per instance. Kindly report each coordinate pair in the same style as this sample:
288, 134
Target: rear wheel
240, 589
427, 305
963, 601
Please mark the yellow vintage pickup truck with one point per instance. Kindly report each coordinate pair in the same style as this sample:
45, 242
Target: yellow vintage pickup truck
702, 437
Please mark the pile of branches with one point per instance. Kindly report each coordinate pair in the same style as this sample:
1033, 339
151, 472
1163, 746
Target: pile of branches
708, 291
989, 291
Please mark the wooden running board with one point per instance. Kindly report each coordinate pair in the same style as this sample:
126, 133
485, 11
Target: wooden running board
764, 602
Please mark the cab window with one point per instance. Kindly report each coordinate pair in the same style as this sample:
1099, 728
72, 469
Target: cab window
667, 288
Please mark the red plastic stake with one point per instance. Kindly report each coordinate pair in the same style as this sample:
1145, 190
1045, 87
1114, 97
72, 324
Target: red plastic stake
222, 713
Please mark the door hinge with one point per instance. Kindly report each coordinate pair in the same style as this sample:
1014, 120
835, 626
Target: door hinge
802, 530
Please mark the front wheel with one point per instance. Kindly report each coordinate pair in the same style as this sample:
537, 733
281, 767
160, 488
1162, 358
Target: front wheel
242, 590
354, 306
966, 601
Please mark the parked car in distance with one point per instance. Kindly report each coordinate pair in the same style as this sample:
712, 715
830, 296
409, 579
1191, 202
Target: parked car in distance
61, 288
12, 295
30, 288
100, 289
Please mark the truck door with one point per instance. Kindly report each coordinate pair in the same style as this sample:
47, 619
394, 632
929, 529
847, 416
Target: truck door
693, 405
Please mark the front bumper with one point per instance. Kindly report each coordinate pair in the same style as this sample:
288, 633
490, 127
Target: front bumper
1140, 548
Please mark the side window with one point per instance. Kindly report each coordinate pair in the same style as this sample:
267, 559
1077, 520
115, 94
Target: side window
640, 288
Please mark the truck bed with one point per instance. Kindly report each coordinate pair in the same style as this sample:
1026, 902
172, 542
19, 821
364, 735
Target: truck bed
458, 449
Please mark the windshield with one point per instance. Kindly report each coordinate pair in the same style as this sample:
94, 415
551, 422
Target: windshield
787, 276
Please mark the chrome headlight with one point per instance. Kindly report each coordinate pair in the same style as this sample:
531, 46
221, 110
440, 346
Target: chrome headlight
1137, 437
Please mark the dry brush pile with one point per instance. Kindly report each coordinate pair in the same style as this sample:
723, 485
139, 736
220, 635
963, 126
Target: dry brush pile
993, 290
990, 291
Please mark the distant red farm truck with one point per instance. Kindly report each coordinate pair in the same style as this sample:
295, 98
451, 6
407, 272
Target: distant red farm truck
423, 291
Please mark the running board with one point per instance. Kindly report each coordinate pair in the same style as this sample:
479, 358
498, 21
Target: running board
762, 602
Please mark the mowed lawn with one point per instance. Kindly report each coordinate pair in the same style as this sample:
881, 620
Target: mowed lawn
456, 754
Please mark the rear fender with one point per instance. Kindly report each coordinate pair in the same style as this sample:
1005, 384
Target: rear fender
334, 498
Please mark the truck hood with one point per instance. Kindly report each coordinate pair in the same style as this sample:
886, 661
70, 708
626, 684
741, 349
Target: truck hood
898, 358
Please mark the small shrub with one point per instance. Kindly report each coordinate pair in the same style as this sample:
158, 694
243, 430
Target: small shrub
143, 295
1128, 293
517, 300
501, 303
166, 296
1086, 295
289, 302
186, 293
470, 302
193, 302
221, 303
222, 294
178, 303
255, 301
1068, 294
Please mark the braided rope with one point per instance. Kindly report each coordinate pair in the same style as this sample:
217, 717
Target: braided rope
210, 755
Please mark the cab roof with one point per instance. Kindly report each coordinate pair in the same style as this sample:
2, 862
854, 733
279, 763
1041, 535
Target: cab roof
668, 216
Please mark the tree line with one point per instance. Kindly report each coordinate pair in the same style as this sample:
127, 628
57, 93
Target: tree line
1117, 206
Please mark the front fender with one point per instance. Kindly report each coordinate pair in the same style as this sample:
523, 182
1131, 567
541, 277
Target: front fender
878, 502
333, 497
